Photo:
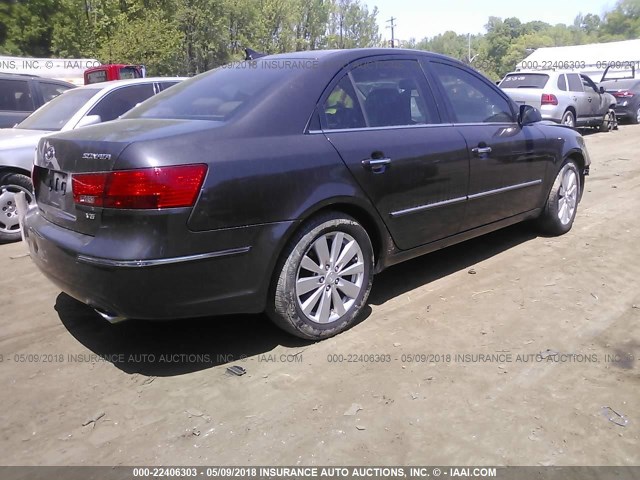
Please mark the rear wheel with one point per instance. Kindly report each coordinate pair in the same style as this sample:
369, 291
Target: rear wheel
10, 185
324, 279
569, 119
562, 204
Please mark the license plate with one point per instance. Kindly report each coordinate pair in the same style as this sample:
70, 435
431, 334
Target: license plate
57, 182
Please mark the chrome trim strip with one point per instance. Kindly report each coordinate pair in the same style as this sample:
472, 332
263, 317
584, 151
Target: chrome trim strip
106, 262
420, 208
505, 189
428, 206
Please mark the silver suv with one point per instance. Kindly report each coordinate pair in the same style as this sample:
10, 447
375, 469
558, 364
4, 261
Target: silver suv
569, 98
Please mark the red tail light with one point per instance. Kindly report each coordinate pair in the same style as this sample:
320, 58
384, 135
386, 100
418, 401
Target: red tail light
622, 94
161, 187
549, 99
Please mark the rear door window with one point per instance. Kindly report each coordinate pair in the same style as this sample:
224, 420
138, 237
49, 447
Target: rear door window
342, 108
15, 96
121, 101
575, 83
394, 93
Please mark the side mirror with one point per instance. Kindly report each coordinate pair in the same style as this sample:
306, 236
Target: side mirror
601, 89
529, 115
89, 120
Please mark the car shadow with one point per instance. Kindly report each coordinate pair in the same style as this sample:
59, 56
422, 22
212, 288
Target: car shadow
169, 348
407, 276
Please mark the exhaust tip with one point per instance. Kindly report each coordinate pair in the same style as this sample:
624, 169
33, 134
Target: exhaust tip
109, 316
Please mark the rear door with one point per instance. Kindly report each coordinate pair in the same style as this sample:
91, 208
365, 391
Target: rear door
507, 161
381, 117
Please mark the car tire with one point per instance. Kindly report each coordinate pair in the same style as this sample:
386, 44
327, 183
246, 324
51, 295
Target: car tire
324, 278
608, 122
9, 186
561, 207
568, 119
635, 117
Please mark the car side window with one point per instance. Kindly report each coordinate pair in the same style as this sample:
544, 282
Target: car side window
562, 83
588, 83
121, 101
472, 100
575, 84
15, 95
51, 90
165, 85
342, 109
394, 92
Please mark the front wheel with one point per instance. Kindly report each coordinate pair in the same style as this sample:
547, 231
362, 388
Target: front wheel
324, 278
562, 204
9, 187
608, 122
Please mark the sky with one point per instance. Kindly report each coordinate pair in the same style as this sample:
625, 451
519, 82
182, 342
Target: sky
426, 18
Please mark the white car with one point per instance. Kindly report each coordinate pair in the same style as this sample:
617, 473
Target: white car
75, 108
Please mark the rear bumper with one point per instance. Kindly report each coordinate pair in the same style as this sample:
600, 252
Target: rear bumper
232, 277
626, 111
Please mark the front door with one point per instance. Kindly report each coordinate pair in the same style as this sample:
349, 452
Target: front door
507, 162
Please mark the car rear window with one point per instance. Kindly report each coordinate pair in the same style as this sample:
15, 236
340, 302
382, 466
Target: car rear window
214, 95
55, 114
524, 80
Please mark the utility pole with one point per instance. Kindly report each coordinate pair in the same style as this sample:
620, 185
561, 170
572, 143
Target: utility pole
471, 59
392, 27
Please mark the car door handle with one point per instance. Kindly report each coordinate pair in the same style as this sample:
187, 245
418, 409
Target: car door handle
481, 150
590, 99
376, 165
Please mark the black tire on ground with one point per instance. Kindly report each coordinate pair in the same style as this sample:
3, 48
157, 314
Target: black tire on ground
608, 122
562, 203
635, 117
12, 183
285, 306
569, 119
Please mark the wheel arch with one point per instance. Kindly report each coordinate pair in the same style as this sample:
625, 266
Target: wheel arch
6, 171
355, 207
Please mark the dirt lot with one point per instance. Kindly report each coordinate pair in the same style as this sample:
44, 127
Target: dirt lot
159, 393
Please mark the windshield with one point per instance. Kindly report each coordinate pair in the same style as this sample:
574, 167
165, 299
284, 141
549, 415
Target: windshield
54, 115
524, 80
214, 95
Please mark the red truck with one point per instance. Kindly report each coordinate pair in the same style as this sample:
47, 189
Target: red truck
113, 71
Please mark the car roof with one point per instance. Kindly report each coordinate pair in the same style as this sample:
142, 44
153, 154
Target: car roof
132, 81
348, 55
28, 76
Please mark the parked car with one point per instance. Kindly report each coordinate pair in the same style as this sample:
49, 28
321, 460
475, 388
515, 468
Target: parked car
118, 71
284, 187
22, 94
75, 108
569, 98
627, 94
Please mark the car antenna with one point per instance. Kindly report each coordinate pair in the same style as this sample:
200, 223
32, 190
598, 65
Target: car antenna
252, 54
